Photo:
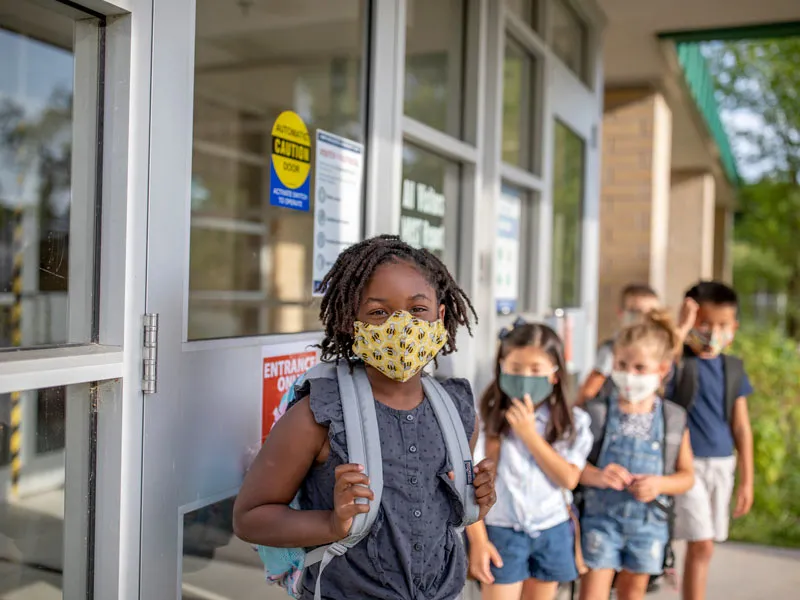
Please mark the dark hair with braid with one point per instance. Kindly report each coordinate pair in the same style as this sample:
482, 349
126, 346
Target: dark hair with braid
343, 285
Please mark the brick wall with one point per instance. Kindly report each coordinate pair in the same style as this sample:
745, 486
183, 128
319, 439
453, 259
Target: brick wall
691, 233
634, 208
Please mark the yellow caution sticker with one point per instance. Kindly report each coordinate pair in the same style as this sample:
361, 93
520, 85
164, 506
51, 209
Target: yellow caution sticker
290, 170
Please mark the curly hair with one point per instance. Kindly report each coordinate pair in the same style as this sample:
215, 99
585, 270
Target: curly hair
344, 284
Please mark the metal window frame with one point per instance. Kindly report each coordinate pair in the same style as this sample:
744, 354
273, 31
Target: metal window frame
107, 420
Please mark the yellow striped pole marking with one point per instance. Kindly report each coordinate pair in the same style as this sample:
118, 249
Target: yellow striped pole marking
15, 443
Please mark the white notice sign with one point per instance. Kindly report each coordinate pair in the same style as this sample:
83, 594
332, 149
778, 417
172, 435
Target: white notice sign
338, 201
509, 211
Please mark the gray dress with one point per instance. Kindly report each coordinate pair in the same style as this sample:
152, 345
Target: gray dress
413, 551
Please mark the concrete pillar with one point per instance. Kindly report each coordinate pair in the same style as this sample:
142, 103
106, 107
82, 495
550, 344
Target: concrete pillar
723, 240
634, 205
691, 233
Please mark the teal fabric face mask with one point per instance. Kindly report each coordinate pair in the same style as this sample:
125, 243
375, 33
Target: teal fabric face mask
538, 387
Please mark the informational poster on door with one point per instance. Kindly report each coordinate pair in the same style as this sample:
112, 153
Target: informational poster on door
338, 204
509, 213
290, 166
281, 365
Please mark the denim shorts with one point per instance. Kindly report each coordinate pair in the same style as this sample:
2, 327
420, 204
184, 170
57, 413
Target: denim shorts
611, 543
548, 556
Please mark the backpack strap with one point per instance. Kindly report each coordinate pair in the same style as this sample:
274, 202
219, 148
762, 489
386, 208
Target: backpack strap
686, 384
598, 411
457, 444
363, 448
674, 426
733, 369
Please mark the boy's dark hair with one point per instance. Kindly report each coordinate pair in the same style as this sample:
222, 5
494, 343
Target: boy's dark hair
636, 290
343, 285
495, 403
713, 292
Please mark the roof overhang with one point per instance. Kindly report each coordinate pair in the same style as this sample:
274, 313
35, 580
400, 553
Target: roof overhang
639, 50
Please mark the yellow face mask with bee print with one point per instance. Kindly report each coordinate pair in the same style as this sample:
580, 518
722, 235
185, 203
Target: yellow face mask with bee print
401, 346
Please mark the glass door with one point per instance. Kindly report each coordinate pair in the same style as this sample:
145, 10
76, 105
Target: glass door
233, 254
572, 125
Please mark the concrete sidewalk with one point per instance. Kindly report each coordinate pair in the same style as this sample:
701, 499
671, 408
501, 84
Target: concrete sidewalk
746, 572
743, 572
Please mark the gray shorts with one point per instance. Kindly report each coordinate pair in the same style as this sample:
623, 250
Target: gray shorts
703, 513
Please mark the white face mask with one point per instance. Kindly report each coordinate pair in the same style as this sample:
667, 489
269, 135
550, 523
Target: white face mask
634, 387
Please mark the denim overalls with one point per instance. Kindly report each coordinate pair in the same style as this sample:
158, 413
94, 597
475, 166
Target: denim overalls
618, 531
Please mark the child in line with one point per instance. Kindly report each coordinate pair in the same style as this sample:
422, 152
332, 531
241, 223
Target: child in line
641, 457
413, 550
636, 300
718, 424
540, 445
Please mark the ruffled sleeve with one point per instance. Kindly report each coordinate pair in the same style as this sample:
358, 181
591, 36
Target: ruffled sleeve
326, 406
461, 392
577, 452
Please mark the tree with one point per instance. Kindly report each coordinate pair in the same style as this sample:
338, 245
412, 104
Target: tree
758, 86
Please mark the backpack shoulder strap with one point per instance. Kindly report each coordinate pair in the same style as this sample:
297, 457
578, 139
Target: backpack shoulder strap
363, 440
364, 448
674, 426
733, 370
598, 411
686, 383
457, 444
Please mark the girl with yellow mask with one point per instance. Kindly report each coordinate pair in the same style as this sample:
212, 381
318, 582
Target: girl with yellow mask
393, 309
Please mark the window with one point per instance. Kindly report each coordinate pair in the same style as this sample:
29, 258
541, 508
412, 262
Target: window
568, 37
434, 78
252, 262
518, 105
209, 569
431, 187
508, 249
35, 524
568, 189
47, 275
527, 10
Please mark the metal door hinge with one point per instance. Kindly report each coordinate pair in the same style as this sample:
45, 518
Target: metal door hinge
150, 354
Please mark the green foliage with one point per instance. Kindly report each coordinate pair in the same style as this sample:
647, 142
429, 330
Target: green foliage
760, 81
773, 364
761, 77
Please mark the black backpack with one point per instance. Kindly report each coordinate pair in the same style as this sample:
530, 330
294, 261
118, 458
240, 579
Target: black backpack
686, 384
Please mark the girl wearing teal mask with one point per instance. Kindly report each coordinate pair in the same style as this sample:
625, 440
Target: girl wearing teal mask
540, 444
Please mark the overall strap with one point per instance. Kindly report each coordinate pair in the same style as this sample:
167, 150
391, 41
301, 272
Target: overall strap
455, 439
363, 448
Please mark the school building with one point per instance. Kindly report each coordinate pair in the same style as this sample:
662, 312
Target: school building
176, 176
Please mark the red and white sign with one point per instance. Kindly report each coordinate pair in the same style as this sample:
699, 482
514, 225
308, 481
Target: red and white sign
281, 365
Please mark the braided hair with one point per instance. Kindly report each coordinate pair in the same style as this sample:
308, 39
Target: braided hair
344, 284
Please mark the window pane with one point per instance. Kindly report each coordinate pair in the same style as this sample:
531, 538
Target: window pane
508, 250
250, 261
216, 564
518, 108
568, 174
39, 129
527, 10
431, 186
435, 63
33, 521
568, 37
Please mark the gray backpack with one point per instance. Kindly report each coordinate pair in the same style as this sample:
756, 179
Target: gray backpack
285, 566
